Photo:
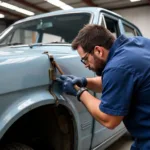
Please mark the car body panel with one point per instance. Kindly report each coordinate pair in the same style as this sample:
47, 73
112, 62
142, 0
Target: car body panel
25, 57
25, 74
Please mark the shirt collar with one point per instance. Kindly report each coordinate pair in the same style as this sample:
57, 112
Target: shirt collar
119, 41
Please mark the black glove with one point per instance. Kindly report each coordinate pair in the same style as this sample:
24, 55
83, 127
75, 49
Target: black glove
79, 81
68, 85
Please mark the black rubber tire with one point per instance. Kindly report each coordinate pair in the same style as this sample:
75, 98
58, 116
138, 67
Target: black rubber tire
16, 146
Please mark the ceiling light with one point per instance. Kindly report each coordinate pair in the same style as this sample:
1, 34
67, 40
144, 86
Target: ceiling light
135, 0
60, 4
15, 8
2, 16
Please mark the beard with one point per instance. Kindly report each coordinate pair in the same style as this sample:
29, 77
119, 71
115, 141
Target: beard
99, 66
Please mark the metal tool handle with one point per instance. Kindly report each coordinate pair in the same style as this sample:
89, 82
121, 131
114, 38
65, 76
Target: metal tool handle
61, 72
76, 87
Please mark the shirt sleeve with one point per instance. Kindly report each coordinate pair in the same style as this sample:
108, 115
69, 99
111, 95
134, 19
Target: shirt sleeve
117, 91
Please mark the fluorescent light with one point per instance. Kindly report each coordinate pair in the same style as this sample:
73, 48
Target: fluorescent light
135, 0
15, 8
60, 4
2, 16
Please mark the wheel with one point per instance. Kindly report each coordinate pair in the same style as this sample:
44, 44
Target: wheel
16, 146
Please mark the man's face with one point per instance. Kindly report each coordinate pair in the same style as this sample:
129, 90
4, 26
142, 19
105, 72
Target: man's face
92, 60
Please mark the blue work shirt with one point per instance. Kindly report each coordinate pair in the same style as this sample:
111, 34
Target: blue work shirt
126, 85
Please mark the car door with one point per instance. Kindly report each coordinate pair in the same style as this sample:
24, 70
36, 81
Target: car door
101, 133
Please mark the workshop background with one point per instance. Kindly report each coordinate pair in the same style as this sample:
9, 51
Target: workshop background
136, 11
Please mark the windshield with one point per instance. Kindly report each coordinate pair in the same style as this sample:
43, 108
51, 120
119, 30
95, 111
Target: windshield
53, 29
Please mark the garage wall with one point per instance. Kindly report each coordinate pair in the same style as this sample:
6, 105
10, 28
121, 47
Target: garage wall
140, 16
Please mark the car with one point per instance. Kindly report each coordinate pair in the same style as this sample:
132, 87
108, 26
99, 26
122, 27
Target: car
34, 112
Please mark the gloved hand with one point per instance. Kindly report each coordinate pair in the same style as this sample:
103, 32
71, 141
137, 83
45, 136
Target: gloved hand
68, 85
79, 81
69, 81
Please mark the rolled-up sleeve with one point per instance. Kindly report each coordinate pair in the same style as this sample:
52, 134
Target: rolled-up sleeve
117, 91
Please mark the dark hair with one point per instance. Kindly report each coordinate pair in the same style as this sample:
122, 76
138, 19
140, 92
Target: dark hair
91, 35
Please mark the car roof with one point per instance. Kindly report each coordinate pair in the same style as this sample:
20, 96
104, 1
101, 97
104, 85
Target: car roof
60, 12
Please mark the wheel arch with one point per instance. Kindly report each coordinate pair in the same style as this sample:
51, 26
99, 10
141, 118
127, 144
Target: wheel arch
22, 106
42, 106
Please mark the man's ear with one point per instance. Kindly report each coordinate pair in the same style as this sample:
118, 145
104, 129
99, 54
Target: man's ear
98, 51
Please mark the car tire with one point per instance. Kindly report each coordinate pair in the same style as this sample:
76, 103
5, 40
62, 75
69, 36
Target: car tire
16, 146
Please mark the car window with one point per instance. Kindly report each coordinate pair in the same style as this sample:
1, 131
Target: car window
60, 28
54, 38
129, 31
23, 36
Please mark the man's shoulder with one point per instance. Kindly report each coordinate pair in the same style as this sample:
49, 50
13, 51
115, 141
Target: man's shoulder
117, 70
116, 63
119, 65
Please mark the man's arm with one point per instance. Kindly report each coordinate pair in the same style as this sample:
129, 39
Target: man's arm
92, 104
94, 84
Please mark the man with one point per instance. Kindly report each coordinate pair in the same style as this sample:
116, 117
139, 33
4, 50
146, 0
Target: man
123, 69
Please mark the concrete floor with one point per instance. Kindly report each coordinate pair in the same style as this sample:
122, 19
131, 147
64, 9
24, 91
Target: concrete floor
124, 143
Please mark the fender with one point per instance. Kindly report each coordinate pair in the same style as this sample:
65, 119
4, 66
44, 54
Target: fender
25, 101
